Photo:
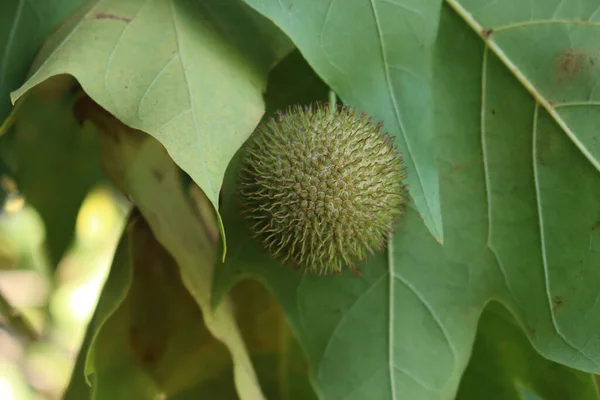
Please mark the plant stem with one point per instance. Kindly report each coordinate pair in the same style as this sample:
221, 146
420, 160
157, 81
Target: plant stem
332, 99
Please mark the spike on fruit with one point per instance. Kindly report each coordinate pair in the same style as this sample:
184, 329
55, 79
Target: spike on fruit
322, 188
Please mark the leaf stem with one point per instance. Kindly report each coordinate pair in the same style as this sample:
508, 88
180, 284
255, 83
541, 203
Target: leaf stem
332, 99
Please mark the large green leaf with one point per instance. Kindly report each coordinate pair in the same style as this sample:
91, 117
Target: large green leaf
376, 56
520, 199
24, 25
504, 366
373, 336
190, 73
352, 328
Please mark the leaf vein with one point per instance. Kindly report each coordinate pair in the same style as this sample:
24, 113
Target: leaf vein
344, 317
527, 24
486, 174
114, 49
156, 78
433, 314
527, 84
202, 159
397, 116
543, 239
391, 361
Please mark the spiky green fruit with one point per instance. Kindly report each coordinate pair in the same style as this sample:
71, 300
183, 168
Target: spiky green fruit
322, 188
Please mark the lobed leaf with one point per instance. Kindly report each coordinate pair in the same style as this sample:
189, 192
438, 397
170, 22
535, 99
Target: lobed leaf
519, 196
376, 55
190, 73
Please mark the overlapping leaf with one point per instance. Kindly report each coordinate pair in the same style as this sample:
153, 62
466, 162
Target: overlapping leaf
24, 26
181, 220
520, 199
375, 55
147, 338
190, 73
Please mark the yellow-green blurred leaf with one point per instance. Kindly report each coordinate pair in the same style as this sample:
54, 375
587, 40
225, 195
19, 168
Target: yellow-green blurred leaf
141, 167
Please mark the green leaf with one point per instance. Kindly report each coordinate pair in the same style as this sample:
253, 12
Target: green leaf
377, 56
343, 322
511, 178
504, 365
371, 336
183, 222
112, 296
190, 73
551, 49
519, 200
56, 161
24, 26
148, 338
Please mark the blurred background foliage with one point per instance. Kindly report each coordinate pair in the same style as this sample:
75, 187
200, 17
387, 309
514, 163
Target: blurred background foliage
60, 302
60, 221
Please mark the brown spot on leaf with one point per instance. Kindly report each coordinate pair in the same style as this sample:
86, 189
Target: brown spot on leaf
112, 16
144, 350
596, 225
81, 109
487, 33
150, 356
158, 175
575, 64
557, 304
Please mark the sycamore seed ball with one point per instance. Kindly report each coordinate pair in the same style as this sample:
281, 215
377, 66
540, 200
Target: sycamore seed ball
321, 188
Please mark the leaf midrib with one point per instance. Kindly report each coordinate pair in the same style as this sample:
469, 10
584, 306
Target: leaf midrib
557, 329
529, 86
437, 229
